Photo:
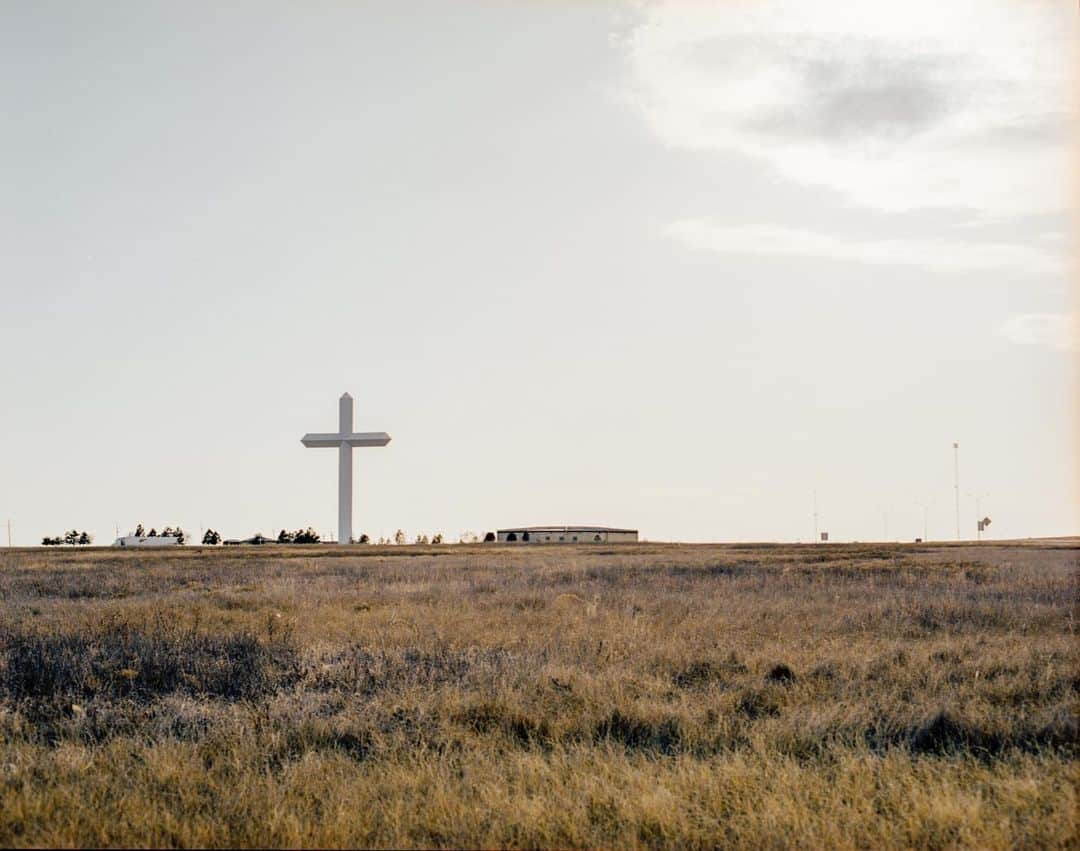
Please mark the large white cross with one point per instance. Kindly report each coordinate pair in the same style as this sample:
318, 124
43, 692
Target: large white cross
345, 440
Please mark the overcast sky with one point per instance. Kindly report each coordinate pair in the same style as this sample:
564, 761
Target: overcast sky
673, 266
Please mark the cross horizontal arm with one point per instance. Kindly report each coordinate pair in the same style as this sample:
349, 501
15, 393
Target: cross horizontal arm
363, 438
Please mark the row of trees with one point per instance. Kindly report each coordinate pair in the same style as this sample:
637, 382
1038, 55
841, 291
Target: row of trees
167, 532
72, 538
300, 536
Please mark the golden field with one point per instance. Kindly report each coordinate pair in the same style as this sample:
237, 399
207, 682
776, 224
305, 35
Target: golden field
848, 696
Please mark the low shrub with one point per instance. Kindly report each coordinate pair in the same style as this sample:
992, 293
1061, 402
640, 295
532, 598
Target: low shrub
142, 662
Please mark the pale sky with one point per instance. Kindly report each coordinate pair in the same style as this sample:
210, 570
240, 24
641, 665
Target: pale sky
672, 266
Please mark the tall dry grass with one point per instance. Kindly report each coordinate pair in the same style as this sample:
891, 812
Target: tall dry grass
887, 696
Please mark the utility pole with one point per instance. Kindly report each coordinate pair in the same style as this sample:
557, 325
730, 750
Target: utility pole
817, 535
956, 483
9, 533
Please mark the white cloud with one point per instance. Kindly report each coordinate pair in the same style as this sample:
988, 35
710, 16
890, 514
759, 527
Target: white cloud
898, 106
937, 254
1055, 330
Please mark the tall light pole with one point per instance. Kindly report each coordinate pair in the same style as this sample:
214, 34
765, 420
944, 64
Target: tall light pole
817, 536
956, 483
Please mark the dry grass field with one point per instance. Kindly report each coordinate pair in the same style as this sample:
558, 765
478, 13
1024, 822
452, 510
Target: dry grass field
631, 696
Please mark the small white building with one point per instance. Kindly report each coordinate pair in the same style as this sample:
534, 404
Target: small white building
566, 535
147, 541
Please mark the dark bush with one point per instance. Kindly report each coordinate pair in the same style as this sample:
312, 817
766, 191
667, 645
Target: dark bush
486, 717
781, 674
528, 732
665, 736
758, 703
698, 675
142, 662
703, 672
944, 734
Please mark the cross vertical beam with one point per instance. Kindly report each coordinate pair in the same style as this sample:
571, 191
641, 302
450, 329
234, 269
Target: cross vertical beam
345, 486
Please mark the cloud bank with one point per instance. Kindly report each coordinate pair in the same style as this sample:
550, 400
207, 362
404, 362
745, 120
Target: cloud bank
965, 104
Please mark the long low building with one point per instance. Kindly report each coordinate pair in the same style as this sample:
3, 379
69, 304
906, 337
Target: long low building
566, 535
147, 541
